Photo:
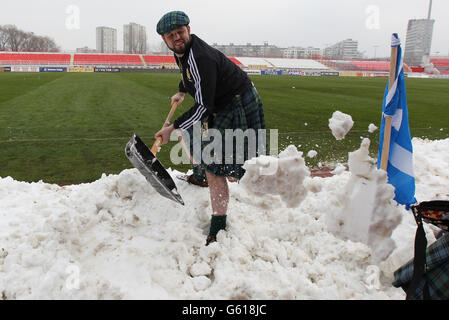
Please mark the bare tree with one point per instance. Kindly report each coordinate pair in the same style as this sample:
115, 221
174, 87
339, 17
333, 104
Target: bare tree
3, 39
14, 39
49, 45
31, 42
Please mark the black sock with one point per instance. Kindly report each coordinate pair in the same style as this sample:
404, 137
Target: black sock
217, 223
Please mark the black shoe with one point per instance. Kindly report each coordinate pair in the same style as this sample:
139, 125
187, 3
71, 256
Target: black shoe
192, 180
210, 239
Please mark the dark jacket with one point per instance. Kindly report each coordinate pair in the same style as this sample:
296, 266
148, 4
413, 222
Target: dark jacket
210, 78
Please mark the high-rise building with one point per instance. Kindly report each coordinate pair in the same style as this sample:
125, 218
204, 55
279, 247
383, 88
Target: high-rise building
419, 40
300, 52
346, 49
106, 40
134, 38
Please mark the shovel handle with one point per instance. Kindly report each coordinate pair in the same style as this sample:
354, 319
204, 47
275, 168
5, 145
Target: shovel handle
158, 142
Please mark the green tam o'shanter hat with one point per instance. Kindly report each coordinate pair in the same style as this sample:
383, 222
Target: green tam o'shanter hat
171, 21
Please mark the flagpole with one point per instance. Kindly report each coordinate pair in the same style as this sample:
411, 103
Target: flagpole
388, 119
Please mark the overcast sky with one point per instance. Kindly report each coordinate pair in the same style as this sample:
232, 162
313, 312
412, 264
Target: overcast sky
285, 23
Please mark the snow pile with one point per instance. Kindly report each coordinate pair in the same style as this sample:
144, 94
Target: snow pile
340, 124
372, 127
281, 176
116, 238
369, 214
431, 161
339, 169
312, 154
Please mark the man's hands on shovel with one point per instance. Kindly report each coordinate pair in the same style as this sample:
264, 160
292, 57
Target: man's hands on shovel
165, 133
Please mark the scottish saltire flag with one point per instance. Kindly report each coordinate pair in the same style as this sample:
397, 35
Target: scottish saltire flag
400, 161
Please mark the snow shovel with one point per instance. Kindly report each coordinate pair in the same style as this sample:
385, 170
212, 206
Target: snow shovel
150, 167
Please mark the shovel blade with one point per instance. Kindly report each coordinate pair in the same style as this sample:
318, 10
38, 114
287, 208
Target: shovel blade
151, 168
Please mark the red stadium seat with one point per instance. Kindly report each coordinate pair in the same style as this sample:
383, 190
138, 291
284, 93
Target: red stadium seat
372, 65
107, 59
34, 58
161, 60
440, 63
417, 69
237, 62
158, 60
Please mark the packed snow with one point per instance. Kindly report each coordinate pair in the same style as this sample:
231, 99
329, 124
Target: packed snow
283, 176
312, 154
340, 124
117, 238
368, 214
372, 127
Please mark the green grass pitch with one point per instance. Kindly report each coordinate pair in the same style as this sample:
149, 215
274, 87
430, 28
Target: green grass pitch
72, 127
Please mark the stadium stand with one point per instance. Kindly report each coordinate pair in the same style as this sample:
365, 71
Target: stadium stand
236, 61
280, 63
254, 63
13, 58
442, 65
158, 60
167, 60
302, 64
250, 64
372, 65
440, 62
417, 69
340, 65
350, 65
107, 59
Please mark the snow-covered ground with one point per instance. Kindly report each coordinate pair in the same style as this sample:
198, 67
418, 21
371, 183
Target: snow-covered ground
116, 238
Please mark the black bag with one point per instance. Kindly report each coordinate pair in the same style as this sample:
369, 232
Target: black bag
427, 275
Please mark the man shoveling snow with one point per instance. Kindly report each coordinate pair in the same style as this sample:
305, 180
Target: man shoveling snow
225, 98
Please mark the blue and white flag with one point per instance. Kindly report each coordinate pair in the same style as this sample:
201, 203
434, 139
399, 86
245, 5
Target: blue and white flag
400, 161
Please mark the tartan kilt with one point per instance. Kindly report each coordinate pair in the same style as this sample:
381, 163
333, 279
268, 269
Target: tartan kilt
244, 112
437, 272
